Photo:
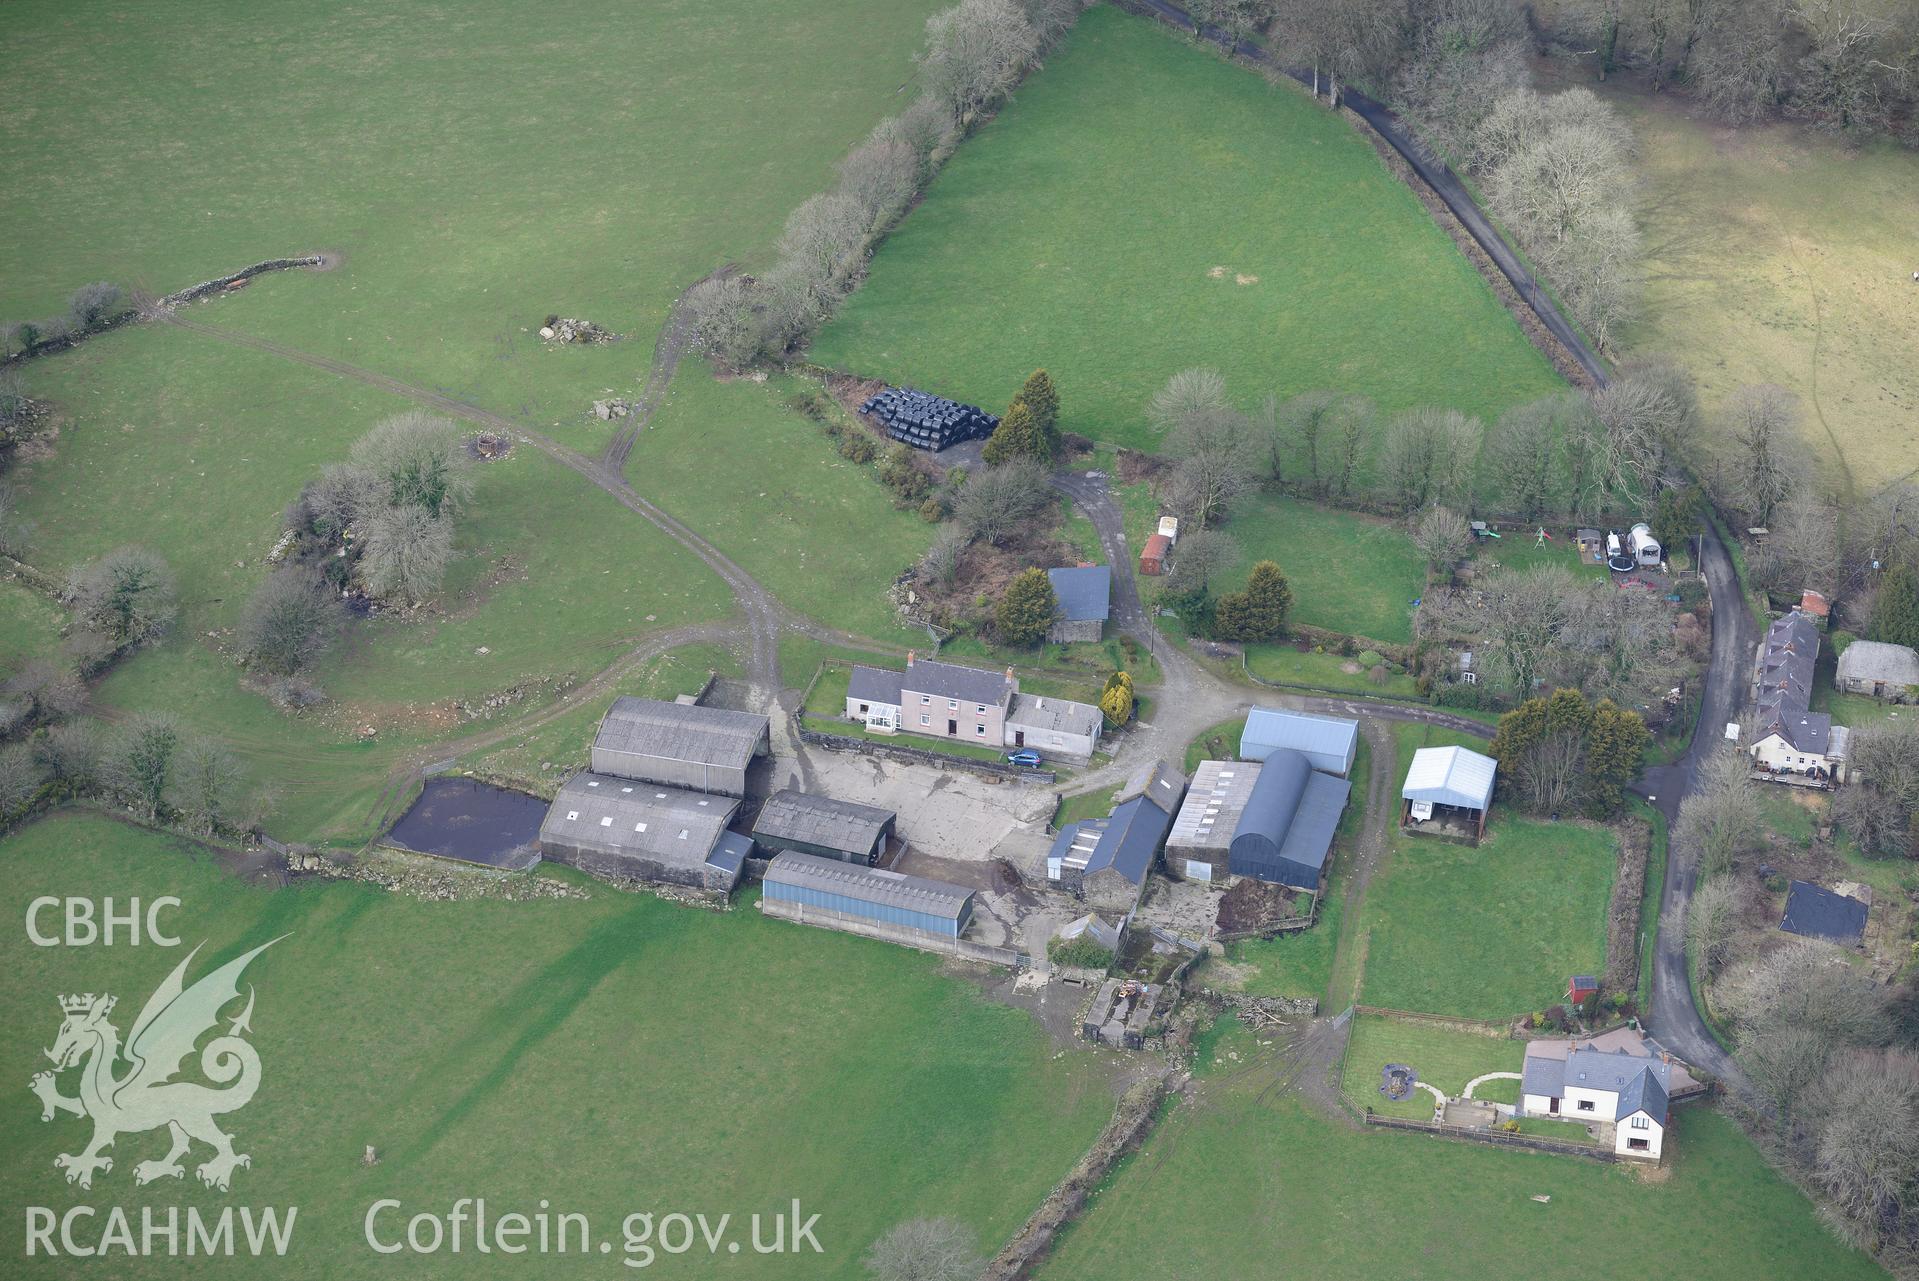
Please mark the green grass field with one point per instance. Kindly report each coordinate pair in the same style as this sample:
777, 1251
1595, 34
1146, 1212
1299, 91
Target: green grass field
1142, 207
1350, 573
593, 166
1285, 665
1491, 931
29, 624
611, 1054
1445, 1059
1241, 1184
1780, 255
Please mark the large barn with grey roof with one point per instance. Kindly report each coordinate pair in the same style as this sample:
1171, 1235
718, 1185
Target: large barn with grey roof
628, 829
705, 749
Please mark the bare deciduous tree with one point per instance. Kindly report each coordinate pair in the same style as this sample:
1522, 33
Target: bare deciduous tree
940, 564
1219, 453
1465, 55
1441, 535
926, 1250
417, 460
1353, 424
291, 619
1524, 451
1765, 459
21, 776
1865, 1114
1711, 918
1518, 622
139, 762
128, 596
71, 754
1641, 416
1429, 456
1190, 393
205, 786
407, 551
1306, 427
823, 241
1000, 503
974, 54
1202, 555
879, 177
1795, 1009
721, 313
1718, 820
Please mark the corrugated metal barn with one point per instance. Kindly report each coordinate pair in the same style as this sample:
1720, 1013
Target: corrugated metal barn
1328, 742
1287, 827
820, 825
623, 827
707, 749
824, 891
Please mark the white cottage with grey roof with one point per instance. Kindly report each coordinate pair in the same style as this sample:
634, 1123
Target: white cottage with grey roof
1575, 1081
970, 705
1792, 739
1055, 726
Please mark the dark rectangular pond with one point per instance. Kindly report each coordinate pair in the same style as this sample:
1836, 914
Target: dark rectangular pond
474, 822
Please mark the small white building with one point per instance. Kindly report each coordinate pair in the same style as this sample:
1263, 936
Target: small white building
1054, 726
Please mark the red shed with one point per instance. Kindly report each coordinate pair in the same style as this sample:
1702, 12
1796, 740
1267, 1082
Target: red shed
1152, 557
1579, 987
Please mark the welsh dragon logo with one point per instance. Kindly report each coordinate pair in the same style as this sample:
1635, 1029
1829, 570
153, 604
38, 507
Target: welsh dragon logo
144, 1094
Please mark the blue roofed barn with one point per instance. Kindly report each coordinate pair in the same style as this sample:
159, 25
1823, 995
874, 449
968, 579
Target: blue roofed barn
866, 900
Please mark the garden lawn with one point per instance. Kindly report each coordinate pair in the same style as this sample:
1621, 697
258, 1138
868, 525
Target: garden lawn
765, 486
1492, 931
1442, 1058
1142, 207
529, 1050
1242, 1184
1782, 255
1354, 574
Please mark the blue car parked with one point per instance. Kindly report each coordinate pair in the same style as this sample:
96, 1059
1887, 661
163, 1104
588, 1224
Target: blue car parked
1029, 758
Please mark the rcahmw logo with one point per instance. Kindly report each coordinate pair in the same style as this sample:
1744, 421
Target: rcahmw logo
130, 1088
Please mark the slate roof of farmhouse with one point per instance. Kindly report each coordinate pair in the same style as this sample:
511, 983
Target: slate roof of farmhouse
950, 680
874, 685
688, 732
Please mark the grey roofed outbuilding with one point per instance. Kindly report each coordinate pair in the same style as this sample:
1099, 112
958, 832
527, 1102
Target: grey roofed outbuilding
1873, 661
1085, 594
688, 745
1286, 827
1131, 839
874, 685
794, 818
1819, 913
871, 885
950, 680
731, 853
1328, 742
1455, 776
626, 818
1158, 780
1029, 711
